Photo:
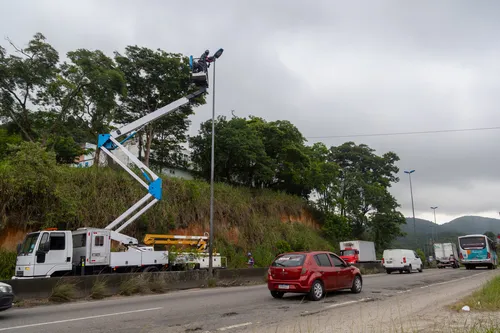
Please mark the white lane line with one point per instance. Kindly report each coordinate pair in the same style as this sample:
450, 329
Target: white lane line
455, 280
347, 303
77, 319
234, 326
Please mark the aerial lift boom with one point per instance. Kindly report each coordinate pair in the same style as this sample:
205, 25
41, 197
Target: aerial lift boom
109, 142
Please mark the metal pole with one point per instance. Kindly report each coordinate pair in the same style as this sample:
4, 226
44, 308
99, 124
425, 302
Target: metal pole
211, 235
435, 223
412, 207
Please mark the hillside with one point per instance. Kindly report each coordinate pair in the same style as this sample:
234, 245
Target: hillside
449, 231
36, 193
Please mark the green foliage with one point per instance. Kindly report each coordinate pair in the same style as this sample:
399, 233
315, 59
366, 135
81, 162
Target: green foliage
155, 79
485, 299
134, 285
7, 264
63, 292
491, 235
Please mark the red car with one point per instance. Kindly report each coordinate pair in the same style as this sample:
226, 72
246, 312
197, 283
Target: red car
315, 273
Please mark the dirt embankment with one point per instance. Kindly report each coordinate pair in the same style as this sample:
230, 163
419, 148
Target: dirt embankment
11, 236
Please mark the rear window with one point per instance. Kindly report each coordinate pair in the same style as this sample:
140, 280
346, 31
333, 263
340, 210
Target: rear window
289, 260
473, 242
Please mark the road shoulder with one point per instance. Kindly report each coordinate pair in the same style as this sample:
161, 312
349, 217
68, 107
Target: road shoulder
423, 309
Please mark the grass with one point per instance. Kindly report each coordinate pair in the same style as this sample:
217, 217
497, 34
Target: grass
63, 292
99, 289
485, 299
135, 285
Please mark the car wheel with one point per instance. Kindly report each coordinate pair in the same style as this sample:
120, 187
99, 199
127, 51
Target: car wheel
388, 271
357, 284
317, 290
421, 268
277, 294
410, 270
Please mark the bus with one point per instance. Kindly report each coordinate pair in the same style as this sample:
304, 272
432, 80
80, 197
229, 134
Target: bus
477, 251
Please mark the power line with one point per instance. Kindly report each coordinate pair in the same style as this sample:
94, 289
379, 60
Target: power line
405, 133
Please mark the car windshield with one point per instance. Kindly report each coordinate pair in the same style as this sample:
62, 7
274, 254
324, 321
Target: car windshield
29, 243
347, 252
289, 260
473, 242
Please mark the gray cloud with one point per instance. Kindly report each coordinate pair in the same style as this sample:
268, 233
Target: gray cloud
330, 67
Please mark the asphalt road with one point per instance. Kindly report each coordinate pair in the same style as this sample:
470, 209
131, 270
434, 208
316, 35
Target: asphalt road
233, 309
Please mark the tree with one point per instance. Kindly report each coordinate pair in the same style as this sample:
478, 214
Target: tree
240, 156
155, 79
22, 77
364, 197
491, 235
285, 146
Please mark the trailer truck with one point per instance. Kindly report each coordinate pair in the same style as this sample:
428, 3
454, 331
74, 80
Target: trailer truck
446, 255
358, 251
53, 252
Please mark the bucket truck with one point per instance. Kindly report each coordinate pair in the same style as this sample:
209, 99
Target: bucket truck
51, 252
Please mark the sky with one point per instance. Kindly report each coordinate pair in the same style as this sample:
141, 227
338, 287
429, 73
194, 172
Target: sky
333, 68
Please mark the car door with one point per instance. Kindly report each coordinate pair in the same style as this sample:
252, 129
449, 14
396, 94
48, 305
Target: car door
342, 274
326, 269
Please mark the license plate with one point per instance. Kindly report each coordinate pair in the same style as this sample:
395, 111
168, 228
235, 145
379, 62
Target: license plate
284, 286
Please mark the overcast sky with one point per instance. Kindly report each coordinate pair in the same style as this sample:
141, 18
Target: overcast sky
333, 68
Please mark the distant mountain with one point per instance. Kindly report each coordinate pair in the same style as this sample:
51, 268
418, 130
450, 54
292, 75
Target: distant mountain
426, 231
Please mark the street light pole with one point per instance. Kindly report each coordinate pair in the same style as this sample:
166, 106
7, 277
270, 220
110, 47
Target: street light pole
212, 168
435, 223
412, 206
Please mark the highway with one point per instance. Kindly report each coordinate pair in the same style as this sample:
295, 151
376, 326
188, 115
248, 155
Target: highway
233, 309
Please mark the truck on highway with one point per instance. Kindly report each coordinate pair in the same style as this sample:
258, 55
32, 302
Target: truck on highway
446, 255
51, 252
358, 251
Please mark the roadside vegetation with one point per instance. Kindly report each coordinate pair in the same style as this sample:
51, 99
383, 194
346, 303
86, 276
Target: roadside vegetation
485, 299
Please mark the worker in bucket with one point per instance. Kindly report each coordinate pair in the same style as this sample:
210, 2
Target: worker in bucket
250, 262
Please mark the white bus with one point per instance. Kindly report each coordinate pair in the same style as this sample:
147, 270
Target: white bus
476, 251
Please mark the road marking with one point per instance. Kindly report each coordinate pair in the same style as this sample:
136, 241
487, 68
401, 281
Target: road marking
445, 282
77, 319
233, 326
328, 307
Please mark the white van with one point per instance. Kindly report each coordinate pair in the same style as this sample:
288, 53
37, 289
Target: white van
401, 260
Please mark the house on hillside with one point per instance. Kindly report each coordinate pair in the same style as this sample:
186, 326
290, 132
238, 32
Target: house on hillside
87, 160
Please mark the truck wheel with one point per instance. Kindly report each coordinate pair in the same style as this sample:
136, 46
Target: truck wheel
317, 291
151, 269
421, 269
388, 271
409, 270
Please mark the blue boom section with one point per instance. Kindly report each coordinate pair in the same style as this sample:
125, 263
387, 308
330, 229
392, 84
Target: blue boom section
155, 186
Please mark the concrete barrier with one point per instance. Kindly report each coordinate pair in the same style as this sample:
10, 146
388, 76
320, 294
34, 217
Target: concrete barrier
178, 280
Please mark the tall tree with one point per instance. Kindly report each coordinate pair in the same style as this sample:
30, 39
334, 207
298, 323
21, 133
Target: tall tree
364, 196
22, 77
155, 79
240, 156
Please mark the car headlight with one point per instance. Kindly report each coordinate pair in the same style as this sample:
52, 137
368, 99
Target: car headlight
6, 289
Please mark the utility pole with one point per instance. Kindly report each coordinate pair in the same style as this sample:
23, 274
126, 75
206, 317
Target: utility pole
435, 223
212, 168
412, 207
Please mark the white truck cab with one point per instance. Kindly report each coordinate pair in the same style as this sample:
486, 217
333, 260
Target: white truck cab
44, 253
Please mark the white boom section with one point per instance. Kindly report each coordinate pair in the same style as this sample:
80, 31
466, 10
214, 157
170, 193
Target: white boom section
108, 142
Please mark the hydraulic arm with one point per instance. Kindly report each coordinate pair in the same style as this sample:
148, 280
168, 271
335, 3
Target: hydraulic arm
109, 142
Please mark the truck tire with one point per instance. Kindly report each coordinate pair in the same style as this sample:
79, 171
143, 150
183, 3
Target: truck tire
151, 269
410, 270
388, 271
420, 270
